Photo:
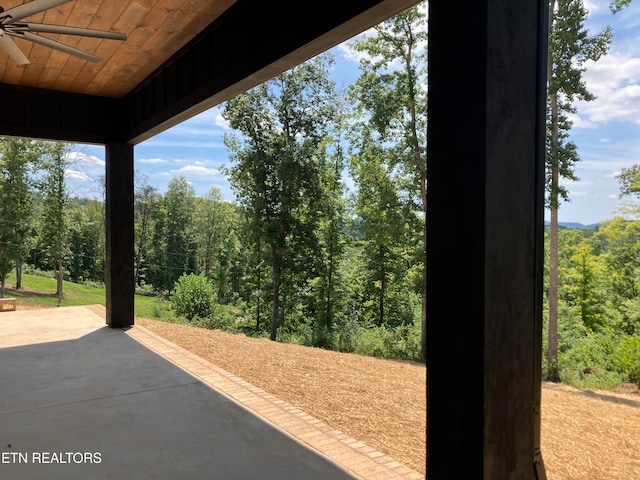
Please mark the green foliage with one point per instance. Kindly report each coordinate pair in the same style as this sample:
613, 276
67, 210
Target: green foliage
193, 296
172, 249
31, 270
588, 363
626, 358
277, 163
388, 155
87, 239
54, 228
629, 180
145, 203
18, 157
570, 46
219, 318
599, 305
400, 343
216, 224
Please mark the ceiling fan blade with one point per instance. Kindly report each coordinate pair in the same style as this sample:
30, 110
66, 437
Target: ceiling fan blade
47, 42
13, 50
27, 9
62, 29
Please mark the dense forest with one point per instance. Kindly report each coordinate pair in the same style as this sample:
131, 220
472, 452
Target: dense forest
324, 244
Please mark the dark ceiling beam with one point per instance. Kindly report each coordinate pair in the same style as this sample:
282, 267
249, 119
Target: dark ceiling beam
250, 43
52, 115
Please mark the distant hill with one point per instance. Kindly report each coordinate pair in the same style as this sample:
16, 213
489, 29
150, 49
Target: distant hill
575, 225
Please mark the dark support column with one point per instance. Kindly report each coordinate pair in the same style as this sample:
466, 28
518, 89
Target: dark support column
119, 232
485, 193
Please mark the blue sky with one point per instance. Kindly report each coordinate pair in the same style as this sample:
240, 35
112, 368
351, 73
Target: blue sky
606, 131
194, 149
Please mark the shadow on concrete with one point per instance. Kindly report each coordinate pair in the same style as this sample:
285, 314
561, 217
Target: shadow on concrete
103, 406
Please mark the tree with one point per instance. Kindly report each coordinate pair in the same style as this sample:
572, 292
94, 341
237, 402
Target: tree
382, 223
621, 240
332, 236
17, 158
179, 202
275, 174
55, 224
570, 46
173, 248
157, 255
146, 200
193, 297
86, 240
582, 275
215, 223
390, 93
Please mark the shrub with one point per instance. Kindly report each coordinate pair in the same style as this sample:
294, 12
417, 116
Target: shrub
193, 296
626, 358
344, 334
162, 311
370, 342
31, 270
592, 378
218, 319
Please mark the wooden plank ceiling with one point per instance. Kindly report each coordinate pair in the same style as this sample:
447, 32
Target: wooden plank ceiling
155, 29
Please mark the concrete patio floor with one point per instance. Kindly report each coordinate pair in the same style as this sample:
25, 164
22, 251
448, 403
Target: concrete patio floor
79, 400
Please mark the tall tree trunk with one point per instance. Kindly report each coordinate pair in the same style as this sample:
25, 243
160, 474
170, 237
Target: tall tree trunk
383, 288
143, 236
259, 296
329, 307
552, 349
2, 288
420, 165
207, 258
59, 282
19, 272
552, 352
276, 300
423, 337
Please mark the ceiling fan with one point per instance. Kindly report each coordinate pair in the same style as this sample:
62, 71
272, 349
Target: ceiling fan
10, 26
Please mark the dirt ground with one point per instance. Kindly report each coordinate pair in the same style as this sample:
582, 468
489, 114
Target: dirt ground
586, 435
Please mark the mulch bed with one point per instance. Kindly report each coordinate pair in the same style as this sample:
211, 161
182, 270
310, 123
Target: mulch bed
586, 435
380, 402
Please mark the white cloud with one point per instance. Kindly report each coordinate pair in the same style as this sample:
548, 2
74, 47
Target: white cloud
222, 122
151, 161
85, 159
197, 170
593, 6
615, 81
77, 175
578, 122
168, 141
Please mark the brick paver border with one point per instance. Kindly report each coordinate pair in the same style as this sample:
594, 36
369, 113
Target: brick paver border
358, 458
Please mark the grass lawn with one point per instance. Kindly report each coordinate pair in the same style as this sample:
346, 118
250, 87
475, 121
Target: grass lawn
40, 291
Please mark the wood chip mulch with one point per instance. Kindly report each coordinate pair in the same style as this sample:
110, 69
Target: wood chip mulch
380, 402
586, 435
